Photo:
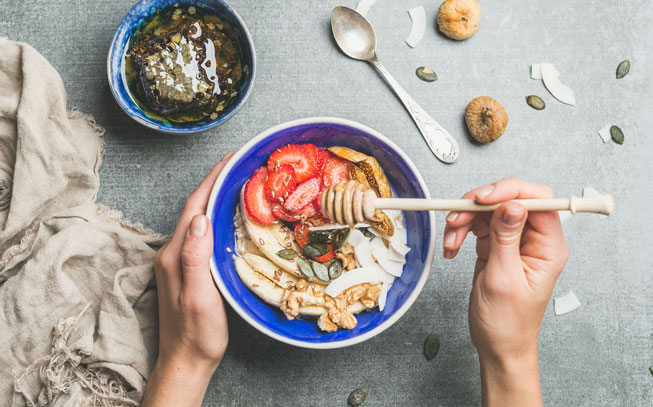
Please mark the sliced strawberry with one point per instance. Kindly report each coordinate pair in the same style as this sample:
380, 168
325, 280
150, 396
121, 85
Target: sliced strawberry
282, 214
296, 155
322, 157
303, 195
256, 204
302, 234
327, 257
312, 149
306, 212
336, 170
281, 182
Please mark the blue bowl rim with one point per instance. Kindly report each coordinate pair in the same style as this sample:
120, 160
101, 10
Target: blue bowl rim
192, 129
427, 264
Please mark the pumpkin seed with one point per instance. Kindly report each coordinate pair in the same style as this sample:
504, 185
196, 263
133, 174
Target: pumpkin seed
617, 135
321, 271
331, 236
305, 269
535, 102
426, 74
357, 397
431, 346
623, 69
650, 369
323, 236
314, 250
343, 236
287, 254
335, 269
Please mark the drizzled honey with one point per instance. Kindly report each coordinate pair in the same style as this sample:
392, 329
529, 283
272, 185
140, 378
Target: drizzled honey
184, 65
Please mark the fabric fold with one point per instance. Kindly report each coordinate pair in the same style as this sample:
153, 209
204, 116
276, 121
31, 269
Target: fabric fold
77, 290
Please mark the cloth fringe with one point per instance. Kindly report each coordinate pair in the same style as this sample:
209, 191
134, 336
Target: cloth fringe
75, 113
134, 226
24, 244
60, 370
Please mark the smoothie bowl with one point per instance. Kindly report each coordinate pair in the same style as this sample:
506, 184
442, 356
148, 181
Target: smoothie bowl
285, 268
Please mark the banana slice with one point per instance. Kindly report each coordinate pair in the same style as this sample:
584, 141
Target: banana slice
270, 239
257, 283
270, 292
270, 270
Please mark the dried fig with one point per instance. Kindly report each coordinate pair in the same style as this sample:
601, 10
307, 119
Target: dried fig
486, 119
459, 19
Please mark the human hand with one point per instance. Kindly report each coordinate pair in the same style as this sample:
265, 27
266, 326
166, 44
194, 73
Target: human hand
520, 256
193, 331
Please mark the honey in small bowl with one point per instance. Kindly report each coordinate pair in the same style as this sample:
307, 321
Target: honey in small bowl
184, 65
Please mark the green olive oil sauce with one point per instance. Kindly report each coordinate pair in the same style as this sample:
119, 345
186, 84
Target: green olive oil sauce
184, 65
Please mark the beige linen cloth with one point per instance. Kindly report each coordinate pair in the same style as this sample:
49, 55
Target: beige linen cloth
78, 322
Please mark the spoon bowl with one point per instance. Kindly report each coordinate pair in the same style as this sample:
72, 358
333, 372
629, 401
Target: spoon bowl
356, 39
353, 33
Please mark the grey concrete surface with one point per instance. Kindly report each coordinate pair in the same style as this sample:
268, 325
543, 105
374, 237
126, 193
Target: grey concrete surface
596, 356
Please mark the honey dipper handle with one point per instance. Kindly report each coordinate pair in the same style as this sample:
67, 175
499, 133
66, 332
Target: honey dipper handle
603, 204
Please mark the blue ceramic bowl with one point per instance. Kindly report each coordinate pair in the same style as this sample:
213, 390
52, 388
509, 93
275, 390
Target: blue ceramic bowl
323, 132
120, 43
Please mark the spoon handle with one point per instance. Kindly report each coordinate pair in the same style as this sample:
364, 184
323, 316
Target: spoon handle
441, 143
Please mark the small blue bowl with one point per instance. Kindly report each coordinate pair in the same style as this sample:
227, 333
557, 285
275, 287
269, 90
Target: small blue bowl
323, 132
120, 43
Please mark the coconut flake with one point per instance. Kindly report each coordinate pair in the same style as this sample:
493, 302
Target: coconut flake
418, 17
397, 241
364, 7
363, 252
393, 268
356, 238
383, 295
395, 256
551, 79
385, 277
380, 253
605, 133
399, 247
566, 303
536, 72
589, 192
352, 278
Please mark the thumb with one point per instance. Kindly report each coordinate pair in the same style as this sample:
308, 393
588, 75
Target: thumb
196, 253
506, 229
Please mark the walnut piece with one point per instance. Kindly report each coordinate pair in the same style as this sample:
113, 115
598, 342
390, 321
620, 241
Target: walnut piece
302, 293
346, 255
337, 314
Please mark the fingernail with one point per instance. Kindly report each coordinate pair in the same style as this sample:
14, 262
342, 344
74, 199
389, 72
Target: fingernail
450, 239
482, 193
227, 156
452, 216
198, 226
512, 216
448, 254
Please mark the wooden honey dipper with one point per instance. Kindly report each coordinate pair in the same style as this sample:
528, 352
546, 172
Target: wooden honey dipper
351, 202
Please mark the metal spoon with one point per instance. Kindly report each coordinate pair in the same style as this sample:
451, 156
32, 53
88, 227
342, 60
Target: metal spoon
355, 37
